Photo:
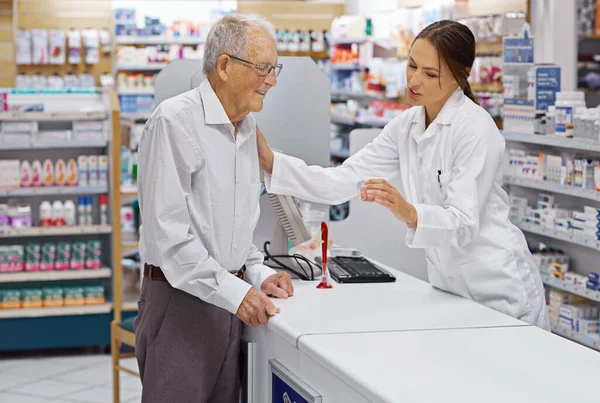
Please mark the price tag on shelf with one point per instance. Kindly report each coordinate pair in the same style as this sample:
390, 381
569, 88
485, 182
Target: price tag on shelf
89, 230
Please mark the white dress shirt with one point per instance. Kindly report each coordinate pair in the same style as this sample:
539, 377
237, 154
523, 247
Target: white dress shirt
451, 173
199, 189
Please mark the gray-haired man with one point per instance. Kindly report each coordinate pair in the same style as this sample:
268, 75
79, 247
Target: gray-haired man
199, 187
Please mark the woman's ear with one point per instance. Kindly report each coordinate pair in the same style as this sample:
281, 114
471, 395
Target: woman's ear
468, 70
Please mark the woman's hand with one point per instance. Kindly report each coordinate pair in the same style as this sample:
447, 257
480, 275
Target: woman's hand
381, 192
265, 155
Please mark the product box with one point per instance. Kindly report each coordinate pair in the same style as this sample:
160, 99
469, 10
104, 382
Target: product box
74, 296
12, 259
10, 174
11, 299
84, 170
93, 169
48, 256
31, 298
78, 255
93, 254
33, 257
593, 276
94, 295
63, 256
103, 170
52, 297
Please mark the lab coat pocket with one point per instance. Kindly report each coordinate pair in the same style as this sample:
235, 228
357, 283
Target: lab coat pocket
253, 208
436, 188
493, 280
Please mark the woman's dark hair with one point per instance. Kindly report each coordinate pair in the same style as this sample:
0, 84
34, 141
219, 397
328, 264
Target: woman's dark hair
455, 44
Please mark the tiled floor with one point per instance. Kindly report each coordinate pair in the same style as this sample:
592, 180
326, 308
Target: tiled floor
72, 379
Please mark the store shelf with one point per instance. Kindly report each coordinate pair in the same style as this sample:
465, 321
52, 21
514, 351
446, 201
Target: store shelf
130, 245
54, 231
347, 41
134, 92
158, 40
342, 120
51, 116
573, 289
58, 311
136, 115
128, 190
143, 67
570, 237
54, 190
55, 275
53, 144
347, 67
588, 194
356, 94
373, 122
487, 87
554, 141
580, 338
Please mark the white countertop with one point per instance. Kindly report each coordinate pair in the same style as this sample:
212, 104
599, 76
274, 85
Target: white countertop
505, 364
407, 304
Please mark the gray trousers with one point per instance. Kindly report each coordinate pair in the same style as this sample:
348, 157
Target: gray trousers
187, 350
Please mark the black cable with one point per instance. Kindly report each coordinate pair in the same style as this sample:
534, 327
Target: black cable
297, 258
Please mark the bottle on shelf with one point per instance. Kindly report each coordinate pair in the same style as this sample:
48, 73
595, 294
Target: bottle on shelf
45, 214
70, 213
103, 210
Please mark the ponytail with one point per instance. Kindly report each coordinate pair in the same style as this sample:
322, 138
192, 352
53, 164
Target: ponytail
469, 92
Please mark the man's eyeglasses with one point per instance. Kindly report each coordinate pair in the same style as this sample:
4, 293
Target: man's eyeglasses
262, 70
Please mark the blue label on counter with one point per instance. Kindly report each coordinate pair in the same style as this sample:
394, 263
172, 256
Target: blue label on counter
281, 392
518, 50
547, 84
564, 117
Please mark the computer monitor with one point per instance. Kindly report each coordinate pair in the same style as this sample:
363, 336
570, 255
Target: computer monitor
289, 226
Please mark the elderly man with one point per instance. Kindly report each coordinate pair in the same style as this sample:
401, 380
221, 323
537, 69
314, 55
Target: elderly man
199, 190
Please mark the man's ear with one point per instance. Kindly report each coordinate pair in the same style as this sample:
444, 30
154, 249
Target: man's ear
224, 65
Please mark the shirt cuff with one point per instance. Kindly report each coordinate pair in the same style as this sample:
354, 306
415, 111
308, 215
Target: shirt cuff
417, 238
258, 273
231, 292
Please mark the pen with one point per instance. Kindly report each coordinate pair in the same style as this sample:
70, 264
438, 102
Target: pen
439, 174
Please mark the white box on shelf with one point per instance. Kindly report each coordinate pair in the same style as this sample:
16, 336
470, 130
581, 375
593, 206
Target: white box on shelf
19, 127
48, 136
10, 174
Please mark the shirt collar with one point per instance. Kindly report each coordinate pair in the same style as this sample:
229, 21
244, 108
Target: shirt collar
214, 113
445, 117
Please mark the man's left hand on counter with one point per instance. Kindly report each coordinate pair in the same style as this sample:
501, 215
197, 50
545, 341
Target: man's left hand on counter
278, 285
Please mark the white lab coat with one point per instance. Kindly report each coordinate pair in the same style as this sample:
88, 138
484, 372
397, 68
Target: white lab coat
451, 173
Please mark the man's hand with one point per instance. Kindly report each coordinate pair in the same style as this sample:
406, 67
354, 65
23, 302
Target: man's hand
256, 308
265, 154
278, 285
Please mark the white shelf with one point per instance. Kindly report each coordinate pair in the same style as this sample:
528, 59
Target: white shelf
129, 190
53, 144
347, 67
356, 94
342, 120
135, 92
54, 231
136, 115
144, 67
573, 289
577, 239
580, 338
554, 141
54, 190
58, 311
51, 116
347, 41
589, 194
158, 40
374, 122
55, 275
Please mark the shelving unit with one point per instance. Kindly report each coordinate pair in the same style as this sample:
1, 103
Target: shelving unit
145, 67
553, 141
53, 191
55, 231
584, 339
570, 237
22, 277
585, 197
564, 286
67, 326
157, 40
58, 311
588, 194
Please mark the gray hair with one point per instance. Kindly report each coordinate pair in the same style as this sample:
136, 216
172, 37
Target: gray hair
230, 35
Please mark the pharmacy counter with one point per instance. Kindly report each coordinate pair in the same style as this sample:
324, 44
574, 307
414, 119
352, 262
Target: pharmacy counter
408, 304
506, 364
